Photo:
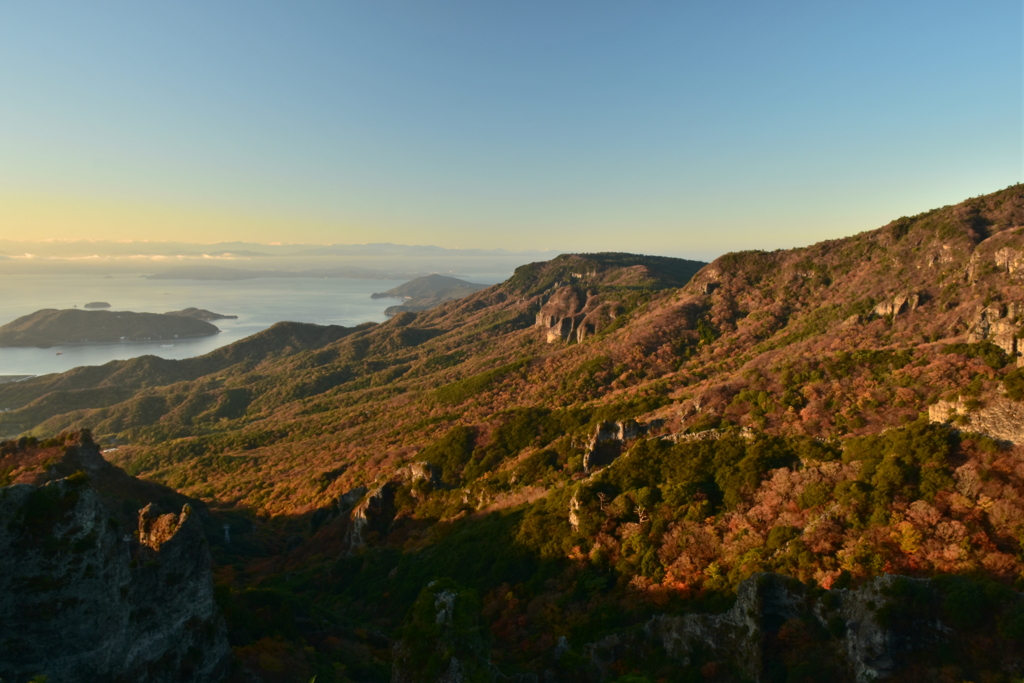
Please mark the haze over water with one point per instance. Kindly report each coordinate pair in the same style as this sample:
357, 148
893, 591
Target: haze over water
258, 303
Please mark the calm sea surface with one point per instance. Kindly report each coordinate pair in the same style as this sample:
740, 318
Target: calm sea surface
257, 303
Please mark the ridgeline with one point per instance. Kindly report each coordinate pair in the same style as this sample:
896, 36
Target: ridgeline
794, 465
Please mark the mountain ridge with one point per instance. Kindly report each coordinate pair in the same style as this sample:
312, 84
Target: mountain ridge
605, 438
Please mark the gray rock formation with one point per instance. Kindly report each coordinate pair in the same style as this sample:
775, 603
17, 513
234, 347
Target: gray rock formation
901, 303
766, 603
1009, 259
570, 315
607, 442
996, 323
1000, 418
574, 511
419, 471
341, 505
374, 513
82, 601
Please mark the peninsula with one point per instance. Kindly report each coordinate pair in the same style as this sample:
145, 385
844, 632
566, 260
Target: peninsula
427, 292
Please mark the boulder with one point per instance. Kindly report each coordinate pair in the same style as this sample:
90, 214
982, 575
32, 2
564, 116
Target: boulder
901, 303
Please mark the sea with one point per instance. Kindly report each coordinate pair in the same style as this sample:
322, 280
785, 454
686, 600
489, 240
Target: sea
258, 303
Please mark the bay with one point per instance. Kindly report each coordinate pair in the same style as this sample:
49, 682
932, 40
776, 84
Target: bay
258, 303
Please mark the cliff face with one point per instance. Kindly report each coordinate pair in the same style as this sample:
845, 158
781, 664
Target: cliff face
1000, 418
82, 601
569, 315
868, 634
864, 647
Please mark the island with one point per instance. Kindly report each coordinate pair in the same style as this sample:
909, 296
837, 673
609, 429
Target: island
52, 327
97, 304
201, 314
427, 292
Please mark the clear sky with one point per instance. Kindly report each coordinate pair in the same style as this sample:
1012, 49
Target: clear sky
660, 127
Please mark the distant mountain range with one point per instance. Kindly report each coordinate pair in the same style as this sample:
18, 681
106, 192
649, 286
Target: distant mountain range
82, 248
223, 273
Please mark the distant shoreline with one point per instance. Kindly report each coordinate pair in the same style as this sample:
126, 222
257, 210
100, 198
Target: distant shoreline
9, 379
117, 342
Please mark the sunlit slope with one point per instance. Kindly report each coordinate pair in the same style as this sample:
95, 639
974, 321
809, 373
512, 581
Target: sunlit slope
846, 336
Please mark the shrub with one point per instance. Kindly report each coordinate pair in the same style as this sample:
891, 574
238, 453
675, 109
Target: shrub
1014, 384
814, 494
451, 453
986, 351
465, 389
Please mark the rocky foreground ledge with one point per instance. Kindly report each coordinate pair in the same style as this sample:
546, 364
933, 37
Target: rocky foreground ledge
82, 601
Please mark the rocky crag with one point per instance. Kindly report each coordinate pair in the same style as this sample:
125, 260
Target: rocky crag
81, 600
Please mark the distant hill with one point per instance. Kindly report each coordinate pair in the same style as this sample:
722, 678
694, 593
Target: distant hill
427, 292
97, 304
201, 314
51, 327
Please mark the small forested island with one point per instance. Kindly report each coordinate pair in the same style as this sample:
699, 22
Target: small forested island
97, 304
426, 292
52, 327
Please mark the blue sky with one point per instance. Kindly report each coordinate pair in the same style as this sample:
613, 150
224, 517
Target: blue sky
675, 128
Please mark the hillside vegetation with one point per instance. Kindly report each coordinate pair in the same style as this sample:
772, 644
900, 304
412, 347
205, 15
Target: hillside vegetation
606, 438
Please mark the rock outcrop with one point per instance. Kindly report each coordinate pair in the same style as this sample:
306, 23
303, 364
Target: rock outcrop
80, 600
572, 315
1009, 259
767, 603
999, 324
1000, 418
444, 642
901, 303
871, 629
374, 513
419, 471
606, 444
